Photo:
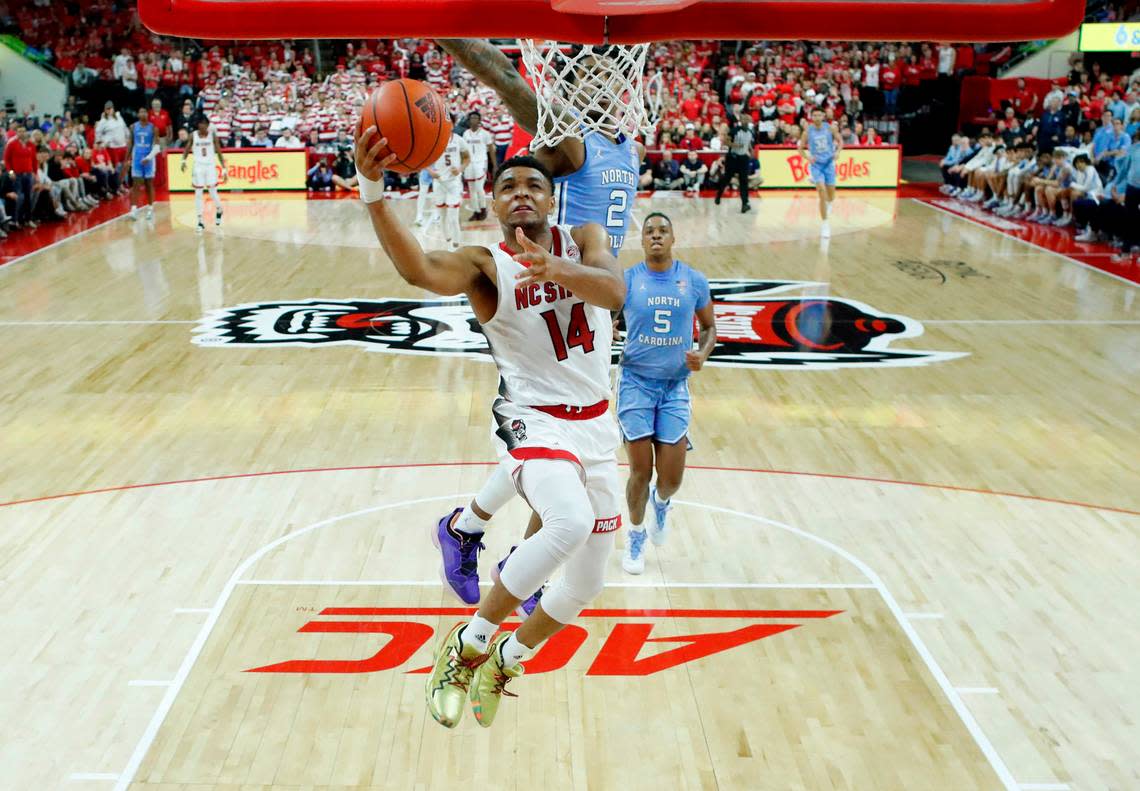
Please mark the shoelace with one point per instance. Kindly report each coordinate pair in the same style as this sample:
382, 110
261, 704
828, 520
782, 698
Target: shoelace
469, 555
636, 540
470, 664
500, 687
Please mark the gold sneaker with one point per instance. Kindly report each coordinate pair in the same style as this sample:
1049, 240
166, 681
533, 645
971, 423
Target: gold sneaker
447, 684
490, 682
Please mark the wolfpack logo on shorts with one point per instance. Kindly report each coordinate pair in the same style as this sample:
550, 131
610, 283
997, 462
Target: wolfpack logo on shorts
760, 324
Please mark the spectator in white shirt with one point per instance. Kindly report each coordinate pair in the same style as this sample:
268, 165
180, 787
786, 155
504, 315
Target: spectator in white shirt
111, 131
289, 140
946, 58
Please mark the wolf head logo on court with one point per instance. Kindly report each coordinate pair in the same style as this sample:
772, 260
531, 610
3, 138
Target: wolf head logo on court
760, 324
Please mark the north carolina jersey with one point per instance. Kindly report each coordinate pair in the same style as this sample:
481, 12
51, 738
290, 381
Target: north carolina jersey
452, 157
550, 346
477, 141
603, 189
143, 139
659, 310
821, 143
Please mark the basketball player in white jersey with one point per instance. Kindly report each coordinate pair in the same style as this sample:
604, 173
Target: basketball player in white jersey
543, 297
482, 146
447, 186
204, 144
598, 188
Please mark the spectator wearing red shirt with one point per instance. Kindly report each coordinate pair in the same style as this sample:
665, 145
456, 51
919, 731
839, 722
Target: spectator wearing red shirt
690, 142
872, 138
928, 64
691, 106
151, 74
1024, 100
160, 118
712, 106
912, 74
20, 159
786, 108
890, 80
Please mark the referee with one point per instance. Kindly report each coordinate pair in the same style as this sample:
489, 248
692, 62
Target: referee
741, 141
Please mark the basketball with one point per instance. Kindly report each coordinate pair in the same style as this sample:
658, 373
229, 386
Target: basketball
414, 120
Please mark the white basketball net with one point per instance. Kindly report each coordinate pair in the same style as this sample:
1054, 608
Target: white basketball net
598, 88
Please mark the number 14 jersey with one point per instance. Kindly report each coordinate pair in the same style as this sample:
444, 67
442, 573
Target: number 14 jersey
550, 346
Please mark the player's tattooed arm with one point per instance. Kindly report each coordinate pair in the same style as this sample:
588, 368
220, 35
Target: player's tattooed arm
495, 70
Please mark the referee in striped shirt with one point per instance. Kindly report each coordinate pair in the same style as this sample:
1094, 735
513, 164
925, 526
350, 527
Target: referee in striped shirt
741, 141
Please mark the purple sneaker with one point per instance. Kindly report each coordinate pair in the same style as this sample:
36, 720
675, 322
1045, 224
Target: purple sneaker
459, 554
527, 606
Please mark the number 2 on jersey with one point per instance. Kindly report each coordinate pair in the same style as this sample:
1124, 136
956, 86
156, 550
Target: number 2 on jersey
577, 334
617, 207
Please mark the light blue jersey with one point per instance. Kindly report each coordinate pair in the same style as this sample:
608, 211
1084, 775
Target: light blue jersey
603, 189
143, 143
821, 143
653, 390
659, 310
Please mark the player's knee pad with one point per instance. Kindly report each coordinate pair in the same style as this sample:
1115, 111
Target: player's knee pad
555, 491
582, 582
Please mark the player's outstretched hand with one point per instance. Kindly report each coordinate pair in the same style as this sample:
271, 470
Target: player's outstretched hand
183, 168
542, 266
694, 361
370, 160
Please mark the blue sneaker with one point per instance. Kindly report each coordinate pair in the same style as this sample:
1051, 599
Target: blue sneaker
633, 561
526, 607
459, 558
657, 524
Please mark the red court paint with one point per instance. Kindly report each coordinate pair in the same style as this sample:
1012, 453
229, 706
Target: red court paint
756, 470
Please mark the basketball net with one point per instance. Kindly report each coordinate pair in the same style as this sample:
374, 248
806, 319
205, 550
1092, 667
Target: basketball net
583, 88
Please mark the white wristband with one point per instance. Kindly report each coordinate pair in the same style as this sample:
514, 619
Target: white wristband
370, 191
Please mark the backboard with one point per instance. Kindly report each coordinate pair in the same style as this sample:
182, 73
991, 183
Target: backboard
618, 21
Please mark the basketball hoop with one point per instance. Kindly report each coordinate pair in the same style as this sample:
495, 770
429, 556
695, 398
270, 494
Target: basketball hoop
582, 88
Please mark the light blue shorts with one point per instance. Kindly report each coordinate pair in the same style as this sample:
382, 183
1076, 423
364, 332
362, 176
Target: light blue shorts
142, 169
823, 173
657, 408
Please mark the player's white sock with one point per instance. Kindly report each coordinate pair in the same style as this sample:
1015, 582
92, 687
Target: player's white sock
658, 501
477, 634
451, 230
469, 522
478, 197
199, 202
513, 651
422, 203
217, 200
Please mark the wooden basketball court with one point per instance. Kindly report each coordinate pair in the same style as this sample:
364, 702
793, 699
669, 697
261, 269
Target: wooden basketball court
910, 565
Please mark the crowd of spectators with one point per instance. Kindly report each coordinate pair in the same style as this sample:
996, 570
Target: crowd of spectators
1069, 158
287, 95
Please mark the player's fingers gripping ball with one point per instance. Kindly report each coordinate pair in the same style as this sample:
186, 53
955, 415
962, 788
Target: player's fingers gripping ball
372, 155
412, 120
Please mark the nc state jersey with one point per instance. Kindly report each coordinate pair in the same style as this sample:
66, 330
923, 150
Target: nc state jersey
203, 147
452, 157
550, 346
